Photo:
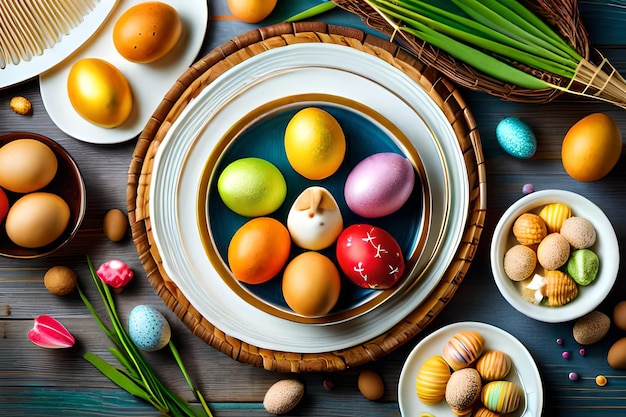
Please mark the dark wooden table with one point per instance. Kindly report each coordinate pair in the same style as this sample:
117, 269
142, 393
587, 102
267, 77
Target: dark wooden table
41, 382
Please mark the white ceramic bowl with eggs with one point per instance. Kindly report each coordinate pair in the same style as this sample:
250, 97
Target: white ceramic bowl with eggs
606, 247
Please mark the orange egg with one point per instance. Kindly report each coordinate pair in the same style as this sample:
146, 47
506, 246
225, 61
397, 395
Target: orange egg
258, 250
311, 284
251, 11
147, 31
591, 147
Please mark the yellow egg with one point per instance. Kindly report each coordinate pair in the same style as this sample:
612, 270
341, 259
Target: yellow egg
311, 284
147, 31
99, 92
251, 11
37, 219
314, 143
26, 165
591, 147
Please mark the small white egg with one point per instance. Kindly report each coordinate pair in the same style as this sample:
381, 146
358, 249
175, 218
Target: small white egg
148, 328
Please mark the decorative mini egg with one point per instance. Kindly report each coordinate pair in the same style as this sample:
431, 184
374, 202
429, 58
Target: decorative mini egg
148, 329
463, 390
554, 215
432, 379
516, 138
379, 185
494, 365
463, 349
314, 221
501, 396
369, 256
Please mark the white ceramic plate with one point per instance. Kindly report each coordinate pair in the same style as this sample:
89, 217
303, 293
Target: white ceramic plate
149, 82
290, 71
24, 70
524, 371
606, 247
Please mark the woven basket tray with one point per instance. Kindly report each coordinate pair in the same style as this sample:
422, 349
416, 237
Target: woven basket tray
203, 73
563, 15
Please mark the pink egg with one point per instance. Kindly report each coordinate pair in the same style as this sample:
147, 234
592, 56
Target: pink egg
379, 185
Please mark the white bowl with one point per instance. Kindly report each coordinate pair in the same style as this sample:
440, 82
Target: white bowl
606, 247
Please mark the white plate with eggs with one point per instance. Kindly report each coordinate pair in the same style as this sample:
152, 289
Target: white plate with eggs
301, 70
148, 82
524, 371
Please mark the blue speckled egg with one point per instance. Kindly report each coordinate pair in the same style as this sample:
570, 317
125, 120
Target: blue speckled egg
148, 329
516, 138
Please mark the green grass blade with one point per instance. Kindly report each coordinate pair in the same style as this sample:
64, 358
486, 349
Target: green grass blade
489, 17
557, 65
479, 60
535, 21
312, 11
122, 380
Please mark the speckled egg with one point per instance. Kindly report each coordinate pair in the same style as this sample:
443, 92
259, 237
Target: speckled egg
148, 329
516, 138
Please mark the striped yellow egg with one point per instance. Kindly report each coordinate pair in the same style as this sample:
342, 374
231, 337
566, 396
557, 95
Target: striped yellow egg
554, 214
493, 365
463, 349
501, 396
432, 379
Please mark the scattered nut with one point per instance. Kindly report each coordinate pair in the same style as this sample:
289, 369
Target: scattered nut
591, 328
60, 280
21, 105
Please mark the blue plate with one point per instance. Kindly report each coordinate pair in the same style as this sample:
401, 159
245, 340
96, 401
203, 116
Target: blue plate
261, 134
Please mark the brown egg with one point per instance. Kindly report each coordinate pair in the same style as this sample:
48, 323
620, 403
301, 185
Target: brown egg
26, 165
616, 357
115, 225
371, 385
147, 31
37, 219
619, 315
311, 284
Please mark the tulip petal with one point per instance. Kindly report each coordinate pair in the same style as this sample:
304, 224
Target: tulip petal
48, 332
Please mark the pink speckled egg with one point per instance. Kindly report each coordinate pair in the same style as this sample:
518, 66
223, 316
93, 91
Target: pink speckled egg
379, 185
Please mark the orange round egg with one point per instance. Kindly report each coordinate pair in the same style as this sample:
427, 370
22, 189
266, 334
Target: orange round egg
258, 250
311, 284
147, 31
591, 147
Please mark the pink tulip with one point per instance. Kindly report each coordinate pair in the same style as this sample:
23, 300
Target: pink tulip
50, 333
115, 273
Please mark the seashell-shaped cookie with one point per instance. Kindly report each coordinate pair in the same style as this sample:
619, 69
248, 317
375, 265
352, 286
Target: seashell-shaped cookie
560, 289
463, 349
432, 379
554, 215
529, 229
463, 413
493, 365
501, 396
484, 412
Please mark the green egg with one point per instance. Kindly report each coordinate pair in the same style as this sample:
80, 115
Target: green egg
252, 187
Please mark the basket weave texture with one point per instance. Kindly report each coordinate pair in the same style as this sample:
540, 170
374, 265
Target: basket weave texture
205, 71
563, 15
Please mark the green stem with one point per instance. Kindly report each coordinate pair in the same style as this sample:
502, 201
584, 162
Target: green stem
312, 11
183, 370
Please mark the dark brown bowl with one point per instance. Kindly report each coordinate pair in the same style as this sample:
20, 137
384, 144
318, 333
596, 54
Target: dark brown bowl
67, 184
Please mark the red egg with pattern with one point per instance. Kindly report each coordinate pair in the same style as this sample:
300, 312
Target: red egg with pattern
370, 256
